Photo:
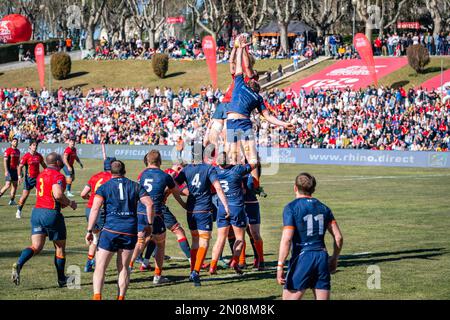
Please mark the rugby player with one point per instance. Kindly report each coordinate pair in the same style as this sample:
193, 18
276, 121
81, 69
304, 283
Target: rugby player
120, 197
31, 161
199, 177
11, 161
155, 181
70, 156
47, 219
231, 179
88, 193
305, 221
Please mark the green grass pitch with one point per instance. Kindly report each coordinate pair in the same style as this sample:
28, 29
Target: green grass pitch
395, 218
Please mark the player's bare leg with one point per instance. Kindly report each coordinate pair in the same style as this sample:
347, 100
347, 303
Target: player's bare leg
22, 200
321, 294
222, 235
258, 243
102, 261
91, 252
123, 260
37, 244
194, 247
60, 261
160, 241
5, 187
202, 249
140, 246
238, 247
293, 294
13, 193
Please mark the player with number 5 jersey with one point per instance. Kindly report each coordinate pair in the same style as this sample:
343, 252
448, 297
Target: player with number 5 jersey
199, 177
305, 222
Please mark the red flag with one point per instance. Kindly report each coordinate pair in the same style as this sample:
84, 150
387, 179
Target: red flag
364, 48
39, 54
209, 49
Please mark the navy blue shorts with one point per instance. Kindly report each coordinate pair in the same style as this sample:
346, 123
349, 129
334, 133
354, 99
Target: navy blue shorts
170, 221
307, 270
12, 176
202, 221
253, 213
239, 129
158, 223
112, 241
68, 174
237, 217
100, 219
29, 183
221, 111
49, 222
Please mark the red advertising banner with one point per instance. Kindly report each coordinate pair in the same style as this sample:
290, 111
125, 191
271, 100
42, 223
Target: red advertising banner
173, 20
39, 54
15, 28
364, 48
408, 25
209, 49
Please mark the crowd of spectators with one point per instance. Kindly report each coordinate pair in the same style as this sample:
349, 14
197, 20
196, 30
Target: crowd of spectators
382, 119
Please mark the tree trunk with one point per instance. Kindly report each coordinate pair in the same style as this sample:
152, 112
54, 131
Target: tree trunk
437, 22
151, 38
90, 45
369, 31
320, 31
284, 41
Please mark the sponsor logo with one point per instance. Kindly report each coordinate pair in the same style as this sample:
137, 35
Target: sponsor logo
437, 160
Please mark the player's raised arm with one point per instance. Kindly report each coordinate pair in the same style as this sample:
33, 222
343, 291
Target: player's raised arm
233, 61
333, 228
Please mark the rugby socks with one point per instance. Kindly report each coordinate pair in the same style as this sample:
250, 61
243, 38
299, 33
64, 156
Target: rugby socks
20, 206
158, 271
120, 297
25, 255
90, 257
242, 255
184, 245
193, 258
150, 249
201, 255
60, 264
213, 266
260, 249
97, 296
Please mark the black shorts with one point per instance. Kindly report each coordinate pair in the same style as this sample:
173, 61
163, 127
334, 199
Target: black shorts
12, 176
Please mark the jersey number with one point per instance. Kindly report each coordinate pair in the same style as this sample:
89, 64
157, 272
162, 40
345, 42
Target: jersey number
148, 185
121, 197
310, 224
196, 181
41, 187
224, 185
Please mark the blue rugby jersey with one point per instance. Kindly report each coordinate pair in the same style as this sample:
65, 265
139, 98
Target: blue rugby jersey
155, 181
231, 179
244, 100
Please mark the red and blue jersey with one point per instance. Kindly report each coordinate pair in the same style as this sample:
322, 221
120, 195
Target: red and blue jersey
309, 218
198, 178
155, 181
72, 155
95, 182
12, 158
244, 99
32, 163
44, 185
120, 201
231, 179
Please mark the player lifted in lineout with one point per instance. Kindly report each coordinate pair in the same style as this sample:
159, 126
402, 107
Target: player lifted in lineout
305, 222
31, 161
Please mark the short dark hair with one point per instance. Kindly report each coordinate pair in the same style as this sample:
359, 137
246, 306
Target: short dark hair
34, 142
15, 138
118, 168
306, 183
153, 158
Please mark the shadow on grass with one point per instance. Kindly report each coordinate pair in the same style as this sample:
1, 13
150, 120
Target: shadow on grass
399, 84
77, 74
175, 74
378, 257
433, 69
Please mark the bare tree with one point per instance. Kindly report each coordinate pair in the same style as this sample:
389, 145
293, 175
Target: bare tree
378, 14
439, 11
322, 14
284, 11
252, 13
114, 18
150, 15
215, 13
92, 11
